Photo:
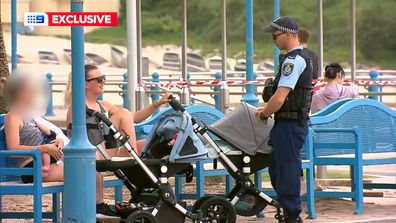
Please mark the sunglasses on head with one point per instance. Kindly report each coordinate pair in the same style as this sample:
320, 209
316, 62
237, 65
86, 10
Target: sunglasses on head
99, 79
275, 36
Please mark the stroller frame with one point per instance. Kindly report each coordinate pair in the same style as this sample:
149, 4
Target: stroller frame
165, 191
241, 177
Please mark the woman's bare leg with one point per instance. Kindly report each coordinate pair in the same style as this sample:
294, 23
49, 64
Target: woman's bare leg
123, 121
55, 173
45, 164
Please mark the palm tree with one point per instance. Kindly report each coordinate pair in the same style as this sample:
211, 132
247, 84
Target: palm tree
4, 72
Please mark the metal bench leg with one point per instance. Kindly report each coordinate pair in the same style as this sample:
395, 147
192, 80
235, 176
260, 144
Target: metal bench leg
229, 182
56, 207
38, 207
358, 188
200, 179
118, 194
353, 179
310, 192
178, 186
258, 181
1, 219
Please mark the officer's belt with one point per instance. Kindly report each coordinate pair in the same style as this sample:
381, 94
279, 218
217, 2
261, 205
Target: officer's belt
286, 115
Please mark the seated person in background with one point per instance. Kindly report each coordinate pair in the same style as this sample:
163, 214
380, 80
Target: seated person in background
122, 119
24, 131
334, 89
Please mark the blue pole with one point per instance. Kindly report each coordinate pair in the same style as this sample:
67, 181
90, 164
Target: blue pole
250, 96
154, 97
14, 31
79, 187
374, 77
217, 97
276, 50
50, 105
125, 97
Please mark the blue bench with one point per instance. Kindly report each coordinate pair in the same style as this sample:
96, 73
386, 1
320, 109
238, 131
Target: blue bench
346, 130
10, 183
209, 115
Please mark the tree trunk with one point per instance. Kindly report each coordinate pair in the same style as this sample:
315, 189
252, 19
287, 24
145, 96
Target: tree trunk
4, 72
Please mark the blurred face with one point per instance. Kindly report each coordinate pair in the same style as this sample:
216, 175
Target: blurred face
95, 82
27, 96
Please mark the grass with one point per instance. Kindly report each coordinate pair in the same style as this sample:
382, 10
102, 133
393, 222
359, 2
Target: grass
262, 47
161, 25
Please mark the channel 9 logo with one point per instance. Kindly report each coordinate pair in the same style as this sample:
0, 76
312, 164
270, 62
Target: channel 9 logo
70, 19
35, 19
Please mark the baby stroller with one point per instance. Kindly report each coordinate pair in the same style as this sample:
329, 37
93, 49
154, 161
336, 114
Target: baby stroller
242, 150
152, 198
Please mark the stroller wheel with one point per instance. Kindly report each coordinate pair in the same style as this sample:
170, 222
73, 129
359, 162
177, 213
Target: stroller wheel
198, 203
141, 217
219, 210
250, 204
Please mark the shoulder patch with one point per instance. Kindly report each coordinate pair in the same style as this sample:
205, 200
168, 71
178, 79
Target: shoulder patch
287, 69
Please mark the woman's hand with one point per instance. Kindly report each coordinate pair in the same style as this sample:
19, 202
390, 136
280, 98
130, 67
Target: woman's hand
164, 99
53, 150
59, 143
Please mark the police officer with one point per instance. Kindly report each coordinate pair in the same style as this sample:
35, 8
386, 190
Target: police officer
289, 98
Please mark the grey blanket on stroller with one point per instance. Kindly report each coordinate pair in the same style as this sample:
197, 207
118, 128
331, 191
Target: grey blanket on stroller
241, 128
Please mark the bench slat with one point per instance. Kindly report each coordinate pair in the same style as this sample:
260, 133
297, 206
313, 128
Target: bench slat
367, 162
18, 215
334, 161
15, 171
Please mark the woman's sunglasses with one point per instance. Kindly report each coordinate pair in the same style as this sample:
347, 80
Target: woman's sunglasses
99, 79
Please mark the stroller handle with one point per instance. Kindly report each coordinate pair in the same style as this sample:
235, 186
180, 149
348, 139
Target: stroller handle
175, 104
99, 116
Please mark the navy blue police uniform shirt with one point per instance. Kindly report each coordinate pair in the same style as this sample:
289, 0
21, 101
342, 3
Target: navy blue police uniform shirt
291, 70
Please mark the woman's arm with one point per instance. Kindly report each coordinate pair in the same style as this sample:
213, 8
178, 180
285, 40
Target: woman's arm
44, 129
12, 125
143, 114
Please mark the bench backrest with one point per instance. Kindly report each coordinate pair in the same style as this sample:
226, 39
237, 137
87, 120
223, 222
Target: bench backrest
331, 107
4, 161
376, 121
203, 113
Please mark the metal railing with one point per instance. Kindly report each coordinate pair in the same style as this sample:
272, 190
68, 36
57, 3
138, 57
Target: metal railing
374, 92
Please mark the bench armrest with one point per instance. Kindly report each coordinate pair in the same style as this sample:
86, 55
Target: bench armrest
357, 144
354, 130
35, 170
35, 153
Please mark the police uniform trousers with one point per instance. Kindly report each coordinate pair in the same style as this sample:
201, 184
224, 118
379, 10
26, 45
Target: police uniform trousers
287, 138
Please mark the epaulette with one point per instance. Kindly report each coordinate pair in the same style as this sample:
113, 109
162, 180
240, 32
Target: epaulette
292, 56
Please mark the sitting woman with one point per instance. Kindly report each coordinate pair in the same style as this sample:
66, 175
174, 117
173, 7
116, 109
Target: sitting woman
122, 119
25, 131
334, 89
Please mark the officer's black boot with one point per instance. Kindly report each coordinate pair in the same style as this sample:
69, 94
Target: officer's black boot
290, 219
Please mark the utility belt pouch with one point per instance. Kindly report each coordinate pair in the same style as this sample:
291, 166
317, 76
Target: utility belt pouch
268, 89
302, 116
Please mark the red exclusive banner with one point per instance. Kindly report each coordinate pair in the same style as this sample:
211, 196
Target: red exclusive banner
82, 18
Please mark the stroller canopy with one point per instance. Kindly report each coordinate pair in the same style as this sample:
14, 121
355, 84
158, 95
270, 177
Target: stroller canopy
187, 146
241, 128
